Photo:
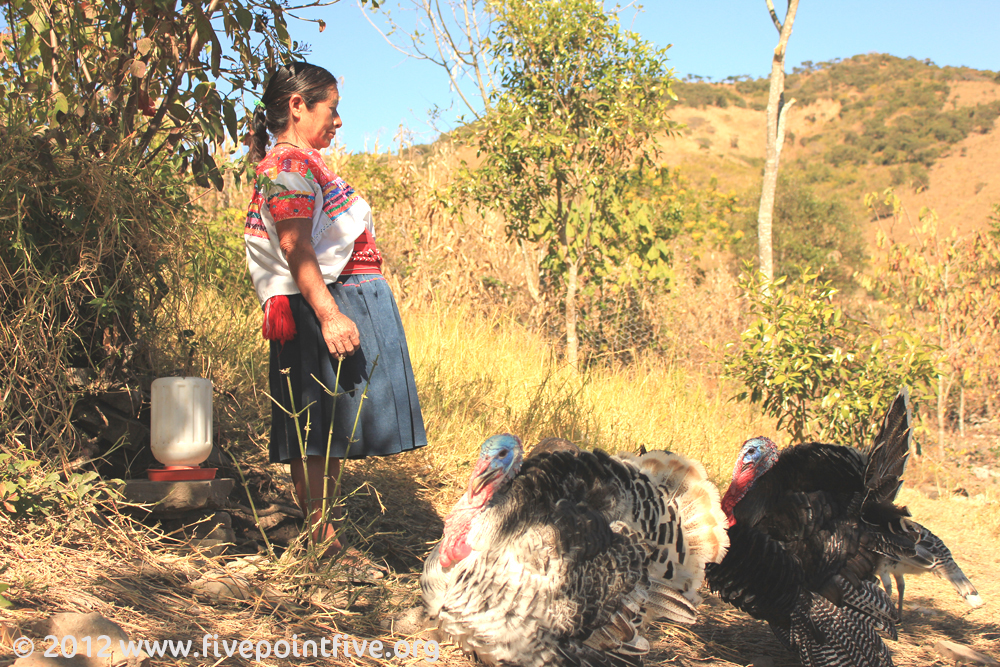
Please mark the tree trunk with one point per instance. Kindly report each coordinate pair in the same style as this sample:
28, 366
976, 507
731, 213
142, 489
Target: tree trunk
530, 272
945, 386
961, 409
777, 112
572, 345
940, 415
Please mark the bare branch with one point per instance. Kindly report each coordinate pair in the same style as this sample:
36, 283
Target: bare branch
774, 15
457, 43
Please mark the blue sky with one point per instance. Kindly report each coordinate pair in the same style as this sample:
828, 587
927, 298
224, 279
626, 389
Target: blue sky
382, 89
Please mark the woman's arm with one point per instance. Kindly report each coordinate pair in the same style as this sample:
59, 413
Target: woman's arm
340, 333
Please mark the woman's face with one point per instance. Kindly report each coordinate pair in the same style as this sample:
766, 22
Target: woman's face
316, 127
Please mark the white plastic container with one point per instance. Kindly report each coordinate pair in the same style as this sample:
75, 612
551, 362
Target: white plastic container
181, 420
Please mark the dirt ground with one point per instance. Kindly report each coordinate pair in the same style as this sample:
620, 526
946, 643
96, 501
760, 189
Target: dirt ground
957, 498
122, 573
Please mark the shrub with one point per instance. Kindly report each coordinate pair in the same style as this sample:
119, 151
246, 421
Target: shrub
808, 232
821, 373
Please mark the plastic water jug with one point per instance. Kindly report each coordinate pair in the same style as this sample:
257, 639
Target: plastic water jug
181, 420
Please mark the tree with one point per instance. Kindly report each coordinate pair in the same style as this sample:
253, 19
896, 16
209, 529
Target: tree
145, 74
107, 111
577, 102
813, 234
777, 112
459, 31
948, 287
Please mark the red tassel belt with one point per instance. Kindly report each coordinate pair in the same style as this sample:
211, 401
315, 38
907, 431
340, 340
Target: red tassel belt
279, 325
366, 257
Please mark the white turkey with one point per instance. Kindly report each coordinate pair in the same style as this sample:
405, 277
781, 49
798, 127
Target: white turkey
932, 555
808, 528
566, 559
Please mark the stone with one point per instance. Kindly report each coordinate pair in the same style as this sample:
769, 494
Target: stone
81, 626
174, 497
218, 585
217, 527
206, 547
407, 622
963, 655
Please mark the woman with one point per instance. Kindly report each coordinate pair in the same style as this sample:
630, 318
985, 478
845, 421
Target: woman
328, 311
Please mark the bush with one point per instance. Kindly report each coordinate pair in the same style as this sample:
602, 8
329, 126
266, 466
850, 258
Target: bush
701, 95
808, 232
821, 373
81, 245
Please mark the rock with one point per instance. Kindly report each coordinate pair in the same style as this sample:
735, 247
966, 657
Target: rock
218, 527
206, 547
930, 491
963, 655
173, 497
220, 586
407, 622
247, 566
81, 626
925, 611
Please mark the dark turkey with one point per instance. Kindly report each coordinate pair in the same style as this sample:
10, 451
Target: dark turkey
808, 527
932, 555
566, 559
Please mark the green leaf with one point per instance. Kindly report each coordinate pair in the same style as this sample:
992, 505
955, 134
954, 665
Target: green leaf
4, 602
244, 17
229, 114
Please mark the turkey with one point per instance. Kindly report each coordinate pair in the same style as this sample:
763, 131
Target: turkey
808, 527
932, 555
565, 560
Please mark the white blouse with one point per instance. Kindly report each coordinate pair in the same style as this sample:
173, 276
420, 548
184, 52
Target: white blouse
290, 182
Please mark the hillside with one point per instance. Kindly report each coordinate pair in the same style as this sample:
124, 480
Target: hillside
858, 125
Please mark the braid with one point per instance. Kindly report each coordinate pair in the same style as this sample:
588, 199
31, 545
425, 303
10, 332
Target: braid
258, 134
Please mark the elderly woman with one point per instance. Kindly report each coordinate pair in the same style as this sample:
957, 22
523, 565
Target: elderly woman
328, 311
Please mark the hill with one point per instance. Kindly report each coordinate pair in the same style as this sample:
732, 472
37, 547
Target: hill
857, 125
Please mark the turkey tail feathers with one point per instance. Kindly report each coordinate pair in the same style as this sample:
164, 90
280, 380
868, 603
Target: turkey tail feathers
945, 566
953, 573
933, 555
687, 529
889, 451
826, 635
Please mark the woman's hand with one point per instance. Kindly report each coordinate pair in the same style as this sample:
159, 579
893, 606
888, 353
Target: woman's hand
341, 334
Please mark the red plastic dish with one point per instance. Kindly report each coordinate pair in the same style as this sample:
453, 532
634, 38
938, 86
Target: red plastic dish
180, 474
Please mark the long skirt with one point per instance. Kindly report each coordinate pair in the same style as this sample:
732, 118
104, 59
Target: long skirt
373, 410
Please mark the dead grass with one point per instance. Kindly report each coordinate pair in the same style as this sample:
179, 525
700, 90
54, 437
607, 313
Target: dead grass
479, 373
483, 367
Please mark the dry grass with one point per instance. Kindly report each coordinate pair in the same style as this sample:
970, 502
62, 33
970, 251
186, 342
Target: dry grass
484, 365
484, 374
479, 373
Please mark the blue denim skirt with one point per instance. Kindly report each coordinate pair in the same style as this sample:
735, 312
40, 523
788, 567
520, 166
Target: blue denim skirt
389, 421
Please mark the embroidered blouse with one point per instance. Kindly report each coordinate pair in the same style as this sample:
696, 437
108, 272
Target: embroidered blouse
296, 183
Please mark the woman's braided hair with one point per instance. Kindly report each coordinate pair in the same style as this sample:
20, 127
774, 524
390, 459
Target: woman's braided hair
270, 116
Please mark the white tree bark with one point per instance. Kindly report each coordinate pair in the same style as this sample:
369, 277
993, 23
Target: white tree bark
776, 115
572, 341
459, 31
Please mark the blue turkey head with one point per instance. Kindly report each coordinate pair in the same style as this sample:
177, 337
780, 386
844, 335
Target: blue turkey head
499, 461
756, 457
